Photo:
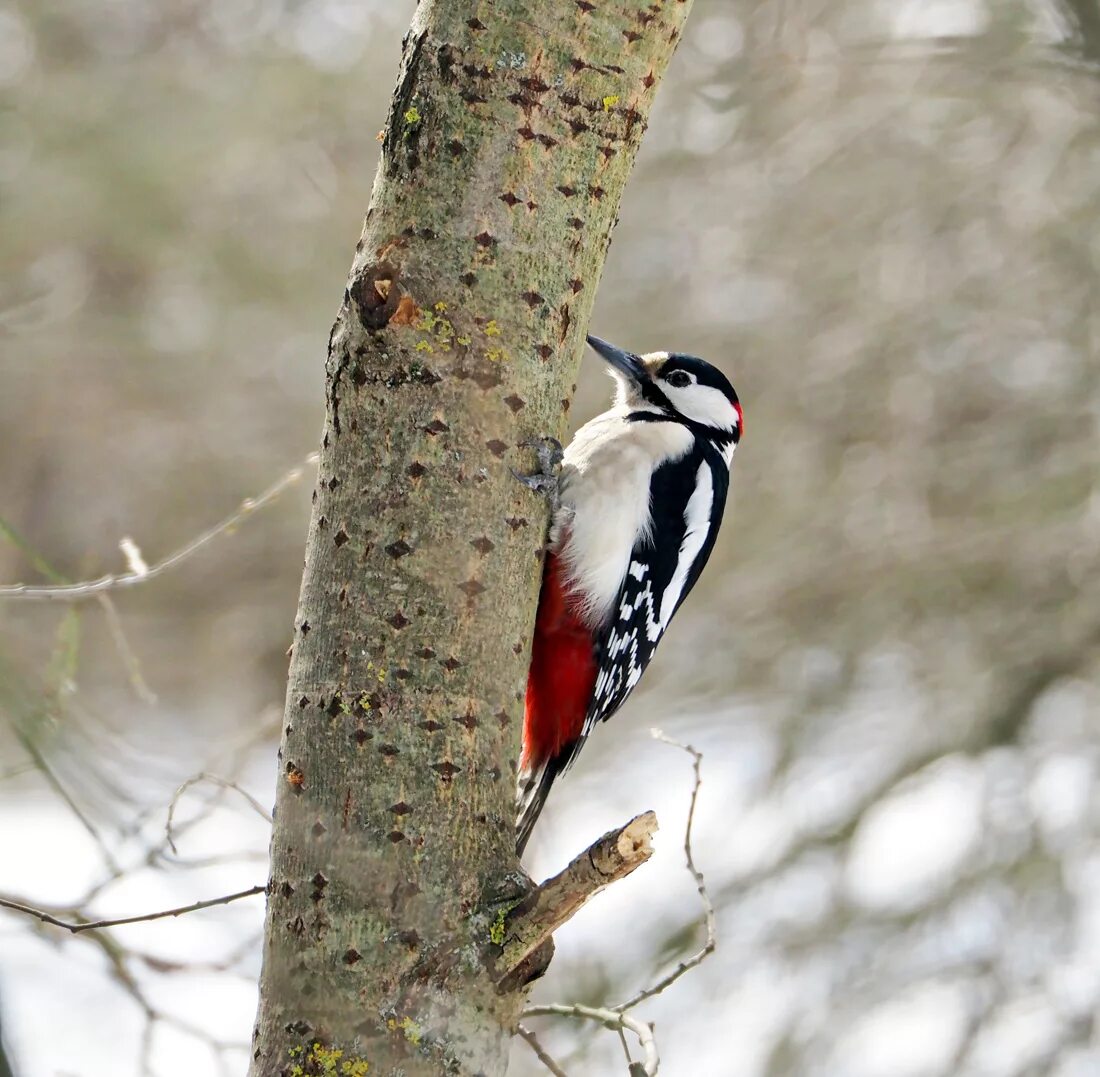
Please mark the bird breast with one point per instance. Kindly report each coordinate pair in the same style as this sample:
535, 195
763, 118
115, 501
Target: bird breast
604, 509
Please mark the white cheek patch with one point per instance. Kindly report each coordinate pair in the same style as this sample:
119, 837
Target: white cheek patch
703, 404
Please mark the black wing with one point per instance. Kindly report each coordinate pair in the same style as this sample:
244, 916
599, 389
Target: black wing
687, 498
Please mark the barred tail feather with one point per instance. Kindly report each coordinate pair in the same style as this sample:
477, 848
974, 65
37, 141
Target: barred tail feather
532, 789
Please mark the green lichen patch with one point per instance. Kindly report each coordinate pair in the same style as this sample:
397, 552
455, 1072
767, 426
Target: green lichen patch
321, 1061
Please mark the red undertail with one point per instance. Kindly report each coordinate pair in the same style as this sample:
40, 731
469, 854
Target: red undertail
563, 673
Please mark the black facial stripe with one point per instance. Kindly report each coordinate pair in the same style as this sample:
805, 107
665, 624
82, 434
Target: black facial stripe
653, 395
715, 436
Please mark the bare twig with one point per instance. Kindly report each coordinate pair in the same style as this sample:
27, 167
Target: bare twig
76, 592
126, 653
213, 779
79, 926
617, 1018
532, 1041
700, 885
613, 1019
537, 917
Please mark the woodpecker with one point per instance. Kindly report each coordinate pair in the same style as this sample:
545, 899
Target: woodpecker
634, 516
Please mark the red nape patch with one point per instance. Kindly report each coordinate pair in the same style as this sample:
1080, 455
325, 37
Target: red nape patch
563, 672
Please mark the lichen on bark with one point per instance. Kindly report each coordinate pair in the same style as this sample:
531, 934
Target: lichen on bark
511, 134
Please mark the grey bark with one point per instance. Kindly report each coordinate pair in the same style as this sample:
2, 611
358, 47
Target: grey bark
512, 131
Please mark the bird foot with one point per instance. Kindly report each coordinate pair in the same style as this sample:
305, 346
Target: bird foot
549, 454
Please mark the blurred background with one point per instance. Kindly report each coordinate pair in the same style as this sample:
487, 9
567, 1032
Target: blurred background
879, 217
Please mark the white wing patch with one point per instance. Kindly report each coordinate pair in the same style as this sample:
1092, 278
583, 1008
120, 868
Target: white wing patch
696, 528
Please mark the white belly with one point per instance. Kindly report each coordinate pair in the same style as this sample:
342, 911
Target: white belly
605, 502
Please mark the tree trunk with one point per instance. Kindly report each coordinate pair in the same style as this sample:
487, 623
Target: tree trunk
512, 131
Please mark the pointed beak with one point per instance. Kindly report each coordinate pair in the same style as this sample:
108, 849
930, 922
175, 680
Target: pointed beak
624, 362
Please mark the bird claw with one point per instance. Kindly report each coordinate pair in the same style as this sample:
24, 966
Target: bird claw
548, 451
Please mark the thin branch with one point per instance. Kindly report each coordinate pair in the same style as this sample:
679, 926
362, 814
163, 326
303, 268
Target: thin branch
538, 916
92, 925
618, 1018
700, 885
256, 806
76, 592
612, 1019
130, 661
532, 1041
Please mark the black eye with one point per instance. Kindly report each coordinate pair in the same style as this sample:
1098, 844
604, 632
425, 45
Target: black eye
678, 378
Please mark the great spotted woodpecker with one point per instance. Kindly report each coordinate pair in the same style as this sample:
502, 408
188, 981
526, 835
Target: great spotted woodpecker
637, 509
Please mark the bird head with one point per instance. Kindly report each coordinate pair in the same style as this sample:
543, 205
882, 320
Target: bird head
683, 387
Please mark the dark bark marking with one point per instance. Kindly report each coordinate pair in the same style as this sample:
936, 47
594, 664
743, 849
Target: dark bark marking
375, 294
566, 318
398, 620
452, 663
487, 376
446, 770
398, 549
483, 545
532, 299
416, 469
361, 736
319, 828
515, 403
340, 538
516, 522
436, 426
471, 588
351, 956
496, 447
431, 726
467, 720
